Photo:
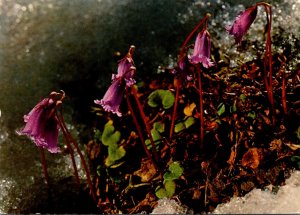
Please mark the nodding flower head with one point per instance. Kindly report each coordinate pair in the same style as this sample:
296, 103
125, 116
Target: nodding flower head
42, 124
242, 23
113, 97
201, 53
124, 78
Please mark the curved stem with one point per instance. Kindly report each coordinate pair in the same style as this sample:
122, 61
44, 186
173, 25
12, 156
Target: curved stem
271, 66
201, 112
283, 94
177, 88
139, 129
268, 75
70, 150
143, 116
85, 167
44, 165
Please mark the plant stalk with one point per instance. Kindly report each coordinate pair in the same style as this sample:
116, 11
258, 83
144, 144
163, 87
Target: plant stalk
85, 167
71, 155
44, 165
177, 89
143, 116
283, 94
139, 130
201, 112
268, 75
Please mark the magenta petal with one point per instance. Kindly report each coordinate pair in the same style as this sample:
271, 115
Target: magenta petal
182, 69
242, 23
126, 71
124, 78
42, 128
206, 62
201, 53
51, 136
113, 97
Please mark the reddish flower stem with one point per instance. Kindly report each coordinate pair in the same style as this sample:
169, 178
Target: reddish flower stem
191, 34
139, 130
201, 112
44, 165
71, 152
177, 89
283, 94
85, 167
268, 75
143, 116
178, 84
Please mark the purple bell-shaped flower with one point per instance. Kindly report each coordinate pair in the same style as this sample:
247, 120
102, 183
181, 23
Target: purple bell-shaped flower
42, 125
201, 53
242, 23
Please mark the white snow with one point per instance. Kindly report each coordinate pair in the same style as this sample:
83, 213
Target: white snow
286, 200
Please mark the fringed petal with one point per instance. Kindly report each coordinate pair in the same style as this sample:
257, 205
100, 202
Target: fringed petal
42, 128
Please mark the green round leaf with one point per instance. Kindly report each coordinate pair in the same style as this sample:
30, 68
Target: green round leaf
168, 99
174, 171
161, 193
154, 99
170, 187
189, 121
167, 191
155, 135
179, 127
159, 126
109, 135
116, 153
161, 97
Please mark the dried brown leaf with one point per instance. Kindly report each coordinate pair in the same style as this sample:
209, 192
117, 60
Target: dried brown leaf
196, 194
251, 158
275, 144
146, 172
211, 126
